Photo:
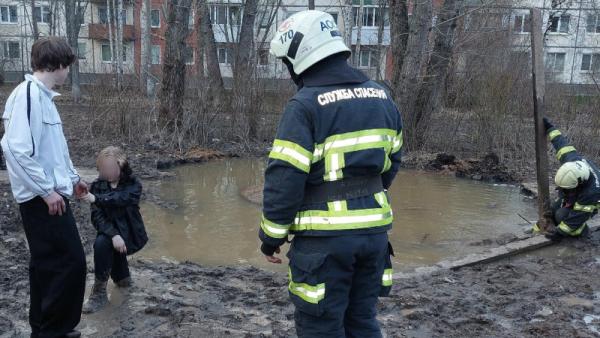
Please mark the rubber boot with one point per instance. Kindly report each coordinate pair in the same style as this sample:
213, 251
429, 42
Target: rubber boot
98, 298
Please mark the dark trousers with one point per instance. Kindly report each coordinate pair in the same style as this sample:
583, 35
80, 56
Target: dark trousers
351, 269
57, 269
108, 261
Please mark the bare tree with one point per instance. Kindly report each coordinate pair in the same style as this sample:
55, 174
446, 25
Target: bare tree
432, 92
74, 12
347, 15
398, 39
381, 22
119, 42
359, 28
34, 22
209, 46
145, 51
173, 81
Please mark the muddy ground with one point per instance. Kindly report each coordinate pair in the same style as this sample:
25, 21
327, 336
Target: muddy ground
528, 296
524, 296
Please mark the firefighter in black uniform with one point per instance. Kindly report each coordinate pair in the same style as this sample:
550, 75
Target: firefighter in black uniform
336, 152
578, 185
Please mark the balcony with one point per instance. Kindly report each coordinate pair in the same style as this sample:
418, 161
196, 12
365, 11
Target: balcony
100, 32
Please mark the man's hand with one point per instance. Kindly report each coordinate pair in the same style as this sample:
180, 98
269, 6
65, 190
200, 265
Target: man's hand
81, 189
56, 204
119, 244
273, 259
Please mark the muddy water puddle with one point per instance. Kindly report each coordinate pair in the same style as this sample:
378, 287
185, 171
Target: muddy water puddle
436, 217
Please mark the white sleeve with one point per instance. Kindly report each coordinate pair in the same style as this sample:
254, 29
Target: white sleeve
19, 143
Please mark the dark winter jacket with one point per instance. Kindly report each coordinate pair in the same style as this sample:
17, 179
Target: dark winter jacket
117, 212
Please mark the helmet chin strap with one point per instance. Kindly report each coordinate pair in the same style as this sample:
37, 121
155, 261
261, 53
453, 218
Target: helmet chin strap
295, 77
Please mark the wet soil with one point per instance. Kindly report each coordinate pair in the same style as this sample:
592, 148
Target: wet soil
524, 296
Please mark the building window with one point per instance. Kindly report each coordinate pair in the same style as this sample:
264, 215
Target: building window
225, 57
155, 55
82, 50
555, 62
366, 59
106, 53
370, 16
188, 55
593, 23
11, 49
559, 24
41, 14
590, 63
155, 18
225, 15
335, 17
263, 57
522, 24
8, 14
103, 16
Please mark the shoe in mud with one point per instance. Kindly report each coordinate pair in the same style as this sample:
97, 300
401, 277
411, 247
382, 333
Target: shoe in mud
125, 283
98, 298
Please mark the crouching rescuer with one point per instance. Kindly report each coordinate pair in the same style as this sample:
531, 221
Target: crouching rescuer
336, 152
578, 184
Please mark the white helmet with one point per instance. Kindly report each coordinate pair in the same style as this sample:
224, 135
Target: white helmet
571, 174
306, 38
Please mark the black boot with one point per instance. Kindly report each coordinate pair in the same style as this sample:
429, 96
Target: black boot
98, 298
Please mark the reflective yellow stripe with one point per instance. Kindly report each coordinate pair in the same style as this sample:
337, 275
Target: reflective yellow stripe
292, 153
536, 228
273, 229
554, 134
308, 293
387, 279
564, 150
342, 220
585, 208
334, 163
355, 141
569, 231
337, 206
398, 142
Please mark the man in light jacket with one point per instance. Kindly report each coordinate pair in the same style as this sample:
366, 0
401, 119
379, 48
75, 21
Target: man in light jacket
42, 177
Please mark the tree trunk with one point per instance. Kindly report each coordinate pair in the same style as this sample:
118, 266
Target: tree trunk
34, 23
380, 31
348, 22
431, 94
245, 66
146, 48
245, 48
173, 82
311, 4
215, 80
408, 73
73, 17
359, 27
109, 26
399, 32
120, 49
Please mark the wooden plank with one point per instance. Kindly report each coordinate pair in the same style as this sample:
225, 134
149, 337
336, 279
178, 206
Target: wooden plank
541, 150
519, 246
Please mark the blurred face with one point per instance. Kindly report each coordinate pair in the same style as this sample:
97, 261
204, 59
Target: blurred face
109, 170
